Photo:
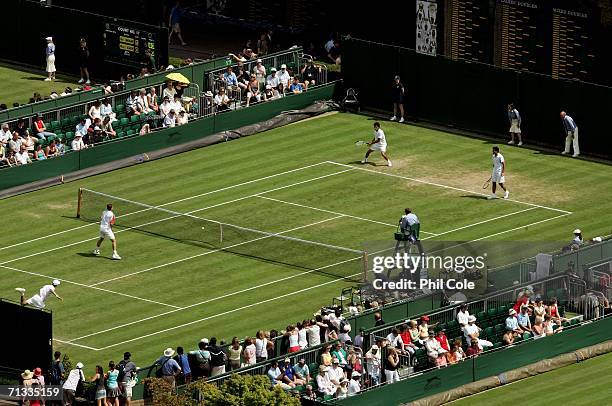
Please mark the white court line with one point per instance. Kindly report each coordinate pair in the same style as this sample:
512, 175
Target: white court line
211, 252
284, 279
78, 345
219, 297
169, 203
168, 218
226, 312
334, 212
444, 186
90, 287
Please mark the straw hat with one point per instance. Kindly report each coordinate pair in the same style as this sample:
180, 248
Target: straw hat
27, 374
168, 352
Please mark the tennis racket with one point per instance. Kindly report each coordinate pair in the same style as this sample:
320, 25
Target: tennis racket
487, 183
360, 143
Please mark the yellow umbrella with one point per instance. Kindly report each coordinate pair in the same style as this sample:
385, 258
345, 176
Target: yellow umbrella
178, 77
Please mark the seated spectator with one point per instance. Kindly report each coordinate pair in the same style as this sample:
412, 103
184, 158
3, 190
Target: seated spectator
344, 334
39, 153
182, 118
222, 101
459, 353
451, 356
309, 393
373, 362
395, 340
273, 81
4, 159
82, 127
5, 134
96, 137
67, 91
15, 143
335, 372
289, 375
276, 377
170, 119
472, 332
131, 105
106, 110
539, 310
260, 72
415, 335
142, 102
107, 128
302, 371
406, 338
166, 106
77, 143
22, 157
342, 391
334, 53
359, 338
284, 78
435, 352
21, 129
326, 357
538, 329
324, 385
522, 300
29, 142
253, 92
354, 386
40, 130
523, 319
474, 349
95, 111
462, 315
229, 77
177, 104
51, 149
548, 326
61, 147
340, 354
169, 91
512, 322
152, 100
554, 313
309, 73
243, 79
443, 340
508, 337
248, 53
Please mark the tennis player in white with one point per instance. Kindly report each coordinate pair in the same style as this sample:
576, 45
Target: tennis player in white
106, 231
378, 143
499, 174
39, 299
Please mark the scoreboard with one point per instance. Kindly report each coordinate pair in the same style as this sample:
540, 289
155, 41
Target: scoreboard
126, 45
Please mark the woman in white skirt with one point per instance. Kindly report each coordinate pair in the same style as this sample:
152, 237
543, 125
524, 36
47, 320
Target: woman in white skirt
50, 52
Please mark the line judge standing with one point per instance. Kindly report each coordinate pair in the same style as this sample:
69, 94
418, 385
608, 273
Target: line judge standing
50, 55
572, 134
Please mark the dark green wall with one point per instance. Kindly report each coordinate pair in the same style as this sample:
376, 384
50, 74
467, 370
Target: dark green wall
473, 96
134, 146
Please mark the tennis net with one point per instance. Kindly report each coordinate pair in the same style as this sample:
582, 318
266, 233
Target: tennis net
188, 228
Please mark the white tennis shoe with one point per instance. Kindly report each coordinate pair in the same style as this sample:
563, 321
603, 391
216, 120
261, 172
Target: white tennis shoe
20, 290
96, 252
491, 197
401, 120
506, 194
393, 118
116, 256
389, 163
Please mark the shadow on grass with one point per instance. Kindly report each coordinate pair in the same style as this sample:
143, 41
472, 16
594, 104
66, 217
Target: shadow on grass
477, 197
367, 163
37, 78
90, 255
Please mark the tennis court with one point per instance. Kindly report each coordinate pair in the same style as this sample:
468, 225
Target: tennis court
178, 283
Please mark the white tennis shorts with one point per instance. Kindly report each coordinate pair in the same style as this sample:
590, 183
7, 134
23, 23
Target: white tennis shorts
497, 177
378, 147
51, 63
107, 233
514, 127
36, 301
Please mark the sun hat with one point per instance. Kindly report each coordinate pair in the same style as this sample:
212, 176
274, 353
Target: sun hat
512, 312
170, 67
79, 365
49, 38
208, 93
55, 282
273, 69
27, 374
259, 60
168, 352
302, 360
287, 360
577, 231
37, 372
431, 333
356, 374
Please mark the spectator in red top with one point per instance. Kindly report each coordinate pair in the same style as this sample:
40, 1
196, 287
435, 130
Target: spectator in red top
553, 311
40, 131
522, 300
474, 349
443, 340
406, 339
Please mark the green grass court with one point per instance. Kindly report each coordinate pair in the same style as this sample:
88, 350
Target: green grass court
20, 85
300, 180
554, 386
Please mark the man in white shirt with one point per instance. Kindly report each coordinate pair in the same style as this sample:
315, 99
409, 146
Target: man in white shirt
170, 119
284, 78
82, 127
176, 104
77, 143
5, 134
324, 384
273, 81
22, 157
221, 100
354, 387
15, 143
165, 107
107, 222
335, 373
39, 299
378, 143
499, 174
373, 361
395, 340
70, 385
463, 315
472, 331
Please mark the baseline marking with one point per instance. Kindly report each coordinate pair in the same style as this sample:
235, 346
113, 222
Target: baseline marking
169, 203
90, 287
445, 186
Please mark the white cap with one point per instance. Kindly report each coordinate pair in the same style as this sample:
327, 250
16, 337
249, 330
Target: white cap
577, 231
49, 38
283, 66
79, 365
355, 374
170, 67
259, 60
204, 340
55, 282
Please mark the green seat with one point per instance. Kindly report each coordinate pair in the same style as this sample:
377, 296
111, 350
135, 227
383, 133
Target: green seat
135, 127
120, 109
441, 325
121, 134
503, 309
498, 344
66, 122
526, 336
74, 120
54, 125
481, 316
489, 332
129, 133
566, 324
518, 338
574, 322
69, 136
499, 328
485, 324
124, 122
135, 118
492, 312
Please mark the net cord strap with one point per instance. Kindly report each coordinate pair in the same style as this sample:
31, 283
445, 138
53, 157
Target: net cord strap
221, 224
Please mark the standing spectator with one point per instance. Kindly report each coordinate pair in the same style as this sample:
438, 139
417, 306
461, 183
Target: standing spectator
150, 63
462, 315
183, 361
84, 61
261, 343
235, 350
40, 130
170, 119
314, 336
218, 358
302, 334
378, 321
176, 16
112, 386
572, 134
263, 46
334, 53
77, 143
127, 372
398, 99
515, 125
106, 110
539, 310
56, 372
202, 356
169, 367
250, 351
229, 77
373, 361
284, 77
95, 110
391, 365
50, 53
424, 328
309, 73
100, 382
72, 381
359, 338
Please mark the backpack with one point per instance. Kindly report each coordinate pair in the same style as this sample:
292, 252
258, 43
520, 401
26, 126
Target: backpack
121, 369
218, 359
343, 323
55, 374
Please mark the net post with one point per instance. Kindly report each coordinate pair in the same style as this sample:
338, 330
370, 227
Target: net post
364, 258
79, 203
